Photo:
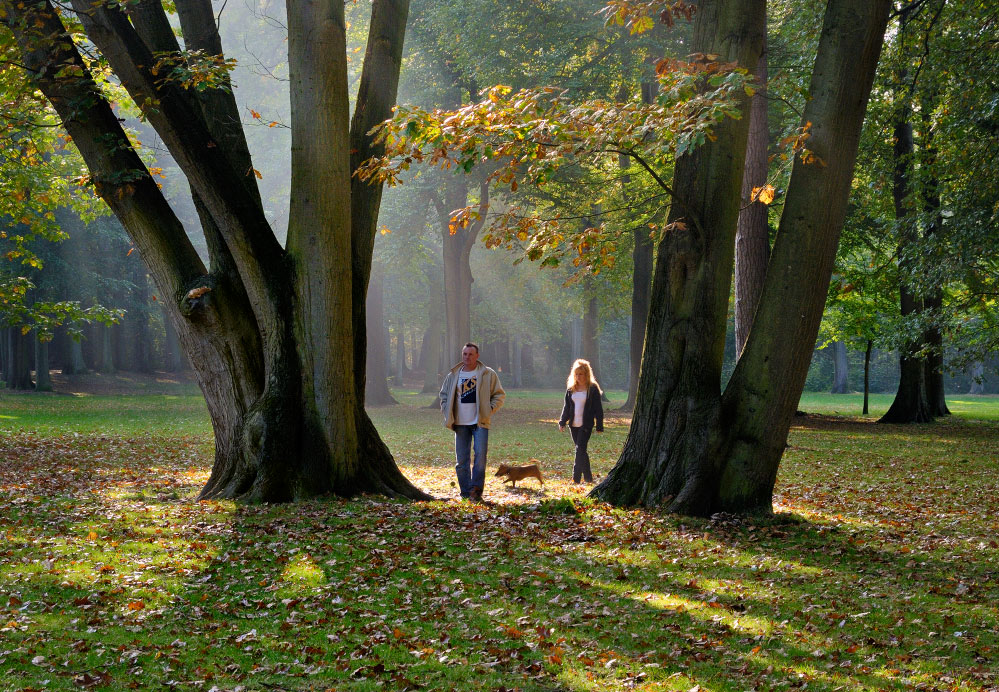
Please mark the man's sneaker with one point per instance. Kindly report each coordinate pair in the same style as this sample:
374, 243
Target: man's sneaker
475, 495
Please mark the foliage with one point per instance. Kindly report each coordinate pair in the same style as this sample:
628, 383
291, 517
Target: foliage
112, 579
533, 133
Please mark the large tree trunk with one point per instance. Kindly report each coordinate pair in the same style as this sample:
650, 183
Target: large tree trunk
266, 329
841, 380
690, 449
752, 236
678, 394
106, 359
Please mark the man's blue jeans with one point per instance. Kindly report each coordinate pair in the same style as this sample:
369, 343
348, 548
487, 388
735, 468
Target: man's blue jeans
471, 473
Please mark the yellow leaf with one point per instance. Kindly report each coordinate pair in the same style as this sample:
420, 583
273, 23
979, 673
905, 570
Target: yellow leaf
763, 195
255, 114
136, 605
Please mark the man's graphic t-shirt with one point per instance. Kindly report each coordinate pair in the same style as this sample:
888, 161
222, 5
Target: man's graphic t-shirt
468, 407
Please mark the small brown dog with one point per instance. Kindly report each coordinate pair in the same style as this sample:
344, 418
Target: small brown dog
519, 473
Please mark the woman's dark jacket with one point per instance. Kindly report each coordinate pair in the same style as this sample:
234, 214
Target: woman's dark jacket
593, 410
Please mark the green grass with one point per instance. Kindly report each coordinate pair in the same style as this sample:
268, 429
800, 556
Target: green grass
879, 571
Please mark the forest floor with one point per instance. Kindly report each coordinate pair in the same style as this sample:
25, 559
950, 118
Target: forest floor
878, 571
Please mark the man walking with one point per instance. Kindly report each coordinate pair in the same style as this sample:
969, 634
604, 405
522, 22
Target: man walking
470, 395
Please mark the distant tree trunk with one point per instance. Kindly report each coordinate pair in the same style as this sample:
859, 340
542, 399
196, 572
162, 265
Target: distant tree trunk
692, 449
75, 365
400, 355
641, 284
43, 381
376, 381
142, 339
457, 271
867, 375
432, 345
516, 364
18, 360
107, 350
841, 381
752, 236
173, 359
977, 378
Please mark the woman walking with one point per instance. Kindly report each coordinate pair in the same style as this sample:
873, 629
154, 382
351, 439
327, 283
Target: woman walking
581, 411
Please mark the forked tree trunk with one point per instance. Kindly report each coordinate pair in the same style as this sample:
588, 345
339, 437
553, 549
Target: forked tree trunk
690, 449
752, 236
272, 333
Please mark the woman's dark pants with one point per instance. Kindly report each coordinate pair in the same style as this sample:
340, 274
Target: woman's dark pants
581, 464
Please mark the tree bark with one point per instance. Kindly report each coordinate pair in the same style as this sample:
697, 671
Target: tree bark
690, 449
75, 364
841, 380
752, 236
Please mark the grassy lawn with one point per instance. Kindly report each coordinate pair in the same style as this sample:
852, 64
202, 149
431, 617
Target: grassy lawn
880, 570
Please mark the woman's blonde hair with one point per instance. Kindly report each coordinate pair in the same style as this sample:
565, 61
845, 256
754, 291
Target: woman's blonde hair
582, 366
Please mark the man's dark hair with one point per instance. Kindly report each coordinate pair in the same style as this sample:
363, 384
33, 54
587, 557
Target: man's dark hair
475, 346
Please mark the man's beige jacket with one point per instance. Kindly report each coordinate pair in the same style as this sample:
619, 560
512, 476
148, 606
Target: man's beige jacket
490, 394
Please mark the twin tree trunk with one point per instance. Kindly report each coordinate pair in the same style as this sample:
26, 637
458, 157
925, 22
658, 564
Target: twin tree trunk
693, 449
276, 336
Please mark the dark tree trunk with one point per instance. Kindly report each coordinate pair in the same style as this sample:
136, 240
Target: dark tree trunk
19, 352
376, 387
43, 380
867, 376
400, 355
752, 236
841, 380
691, 449
106, 358
75, 364
911, 404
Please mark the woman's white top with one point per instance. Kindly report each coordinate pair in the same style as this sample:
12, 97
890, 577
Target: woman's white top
578, 402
